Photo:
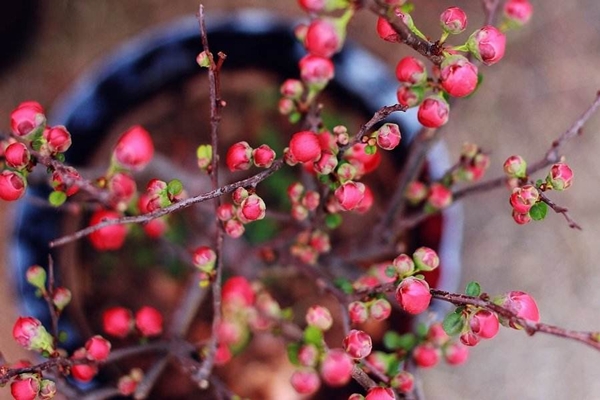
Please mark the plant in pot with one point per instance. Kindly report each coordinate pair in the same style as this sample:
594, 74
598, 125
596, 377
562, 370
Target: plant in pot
273, 258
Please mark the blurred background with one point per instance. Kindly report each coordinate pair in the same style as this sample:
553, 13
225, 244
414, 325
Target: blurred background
548, 77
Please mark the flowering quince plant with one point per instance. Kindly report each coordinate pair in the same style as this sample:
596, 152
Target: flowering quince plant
333, 162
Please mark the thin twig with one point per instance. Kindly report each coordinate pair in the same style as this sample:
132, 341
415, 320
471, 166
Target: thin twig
560, 210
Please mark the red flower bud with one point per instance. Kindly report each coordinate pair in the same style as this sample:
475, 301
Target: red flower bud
305, 381
97, 348
319, 317
560, 176
239, 156
358, 312
31, 334
523, 305
487, 44
521, 218
518, 11
484, 324
439, 196
336, 368
411, 71
426, 356
237, 290
453, 20
380, 393
523, 198
433, 112
25, 387
316, 71
380, 309
308, 355
58, 139
458, 76
204, 258
515, 167
305, 146
149, 321
410, 96
263, 156
27, 118
388, 136
416, 192
110, 237
12, 185
16, 155
349, 195
291, 89
404, 382
357, 344
426, 259
456, 353
322, 38
413, 295
134, 148
82, 372
117, 321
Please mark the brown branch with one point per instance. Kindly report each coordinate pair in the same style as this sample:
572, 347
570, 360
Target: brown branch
138, 219
431, 50
560, 210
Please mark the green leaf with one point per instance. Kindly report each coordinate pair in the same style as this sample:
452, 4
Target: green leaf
422, 330
344, 285
292, 353
370, 150
174, 187
294, 117
60, 157
473, 289
333, 220
57, 198
394, 341
453, 324
538, 211
63, 336
313, 335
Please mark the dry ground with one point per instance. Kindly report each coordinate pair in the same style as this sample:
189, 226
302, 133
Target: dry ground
549, 75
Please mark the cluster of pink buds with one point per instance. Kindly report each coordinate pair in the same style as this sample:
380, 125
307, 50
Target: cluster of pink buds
120, 322
522, 199
127, 384
240, 156
472, 165
480, 324
303, 201
59, 297
96, 350
204, 258
516, 13
247, 207
437, 344
30, 386
309, 245
161, 194
109, 237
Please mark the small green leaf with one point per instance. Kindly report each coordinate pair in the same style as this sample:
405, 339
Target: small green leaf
538, 183
422, 330
453, 324
538, 211
292, 353
473, 289
370, 150
344, 285
395, 341
57, 198
60, 157
174, 187
294, 117
63, 336
333, 220
313, 335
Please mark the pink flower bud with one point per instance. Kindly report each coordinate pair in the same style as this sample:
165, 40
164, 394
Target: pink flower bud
426, 259
358, 312
122, 186
316, 71
380, 393
36, 276
47, 389
117, 321
82, 372
349, 195
149, 321
326, 163
156, 227
308, 355
204, 258
560, 176
404, 382
319, 317
469, 339
453, 20
305, 146
292, 89
65, 180
437, 335
263, 156
225, 212
380, 309
456, 353
515, 167
110, 237
97, 348
433, 112
31, 334
239, 195
58, 139
458, 76
521, 218
305, 381
523, 305
416, 192
311, 200
295, 191
134, 149
367, 201
237, 290
360, 159
439, 196
322, 38
484, 324
518, 11
234, 228
487, 44
252, 209
12, 185
404, 265
426, 356
25, 387
61, 297
336, 368
357, 344
411, 71
413, 295
346, 172
388, 136
410, 96
223, 354
385, 29
27, 118
523, 198
16, 155
286, 106
239, 156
